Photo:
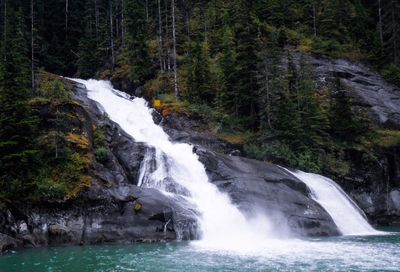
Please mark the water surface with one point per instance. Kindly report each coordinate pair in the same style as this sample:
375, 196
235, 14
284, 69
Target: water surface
346, 253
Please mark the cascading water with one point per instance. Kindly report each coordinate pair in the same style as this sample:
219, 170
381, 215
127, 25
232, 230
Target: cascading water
178, 169
348, 217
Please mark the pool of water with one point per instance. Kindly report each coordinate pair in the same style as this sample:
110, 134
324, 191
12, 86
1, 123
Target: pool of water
346, 253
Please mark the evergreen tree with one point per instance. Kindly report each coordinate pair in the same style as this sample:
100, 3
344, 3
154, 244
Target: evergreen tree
200, 78
345, 124
136, 52
314, 118
225, 99
17, 124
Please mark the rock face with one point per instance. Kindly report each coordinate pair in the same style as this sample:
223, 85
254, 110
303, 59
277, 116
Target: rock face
367, 86
258, 187
114, 209
373, 185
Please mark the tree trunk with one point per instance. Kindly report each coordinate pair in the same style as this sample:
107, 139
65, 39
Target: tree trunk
174, 50
112, 35
380, 22
314, 21
205, 28
166, 35
96, 16
123, 22
160, 44
66, 19
33, 47
147, 11
5, 27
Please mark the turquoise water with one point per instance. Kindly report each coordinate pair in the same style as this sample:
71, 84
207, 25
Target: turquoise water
367, 253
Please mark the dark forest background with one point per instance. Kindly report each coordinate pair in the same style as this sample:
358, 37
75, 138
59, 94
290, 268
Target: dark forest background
239, 65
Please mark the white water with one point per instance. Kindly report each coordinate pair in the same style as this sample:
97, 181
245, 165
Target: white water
178, 170
344, 212
222, 224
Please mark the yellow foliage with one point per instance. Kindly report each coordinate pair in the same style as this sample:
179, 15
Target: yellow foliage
236, 139
138, 206
84, 183
306, 45
80, 141
157, 104
388, 138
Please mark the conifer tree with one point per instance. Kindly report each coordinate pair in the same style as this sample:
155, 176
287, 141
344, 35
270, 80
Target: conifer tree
200, 79
17, 124
135, 51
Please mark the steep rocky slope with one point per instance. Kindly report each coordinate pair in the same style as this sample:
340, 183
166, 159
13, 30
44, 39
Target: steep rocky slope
374, 184
114, 209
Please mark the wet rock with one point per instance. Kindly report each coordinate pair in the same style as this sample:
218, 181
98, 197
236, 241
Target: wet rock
395, 201
259, 187
366, 86
8, 243
105, 213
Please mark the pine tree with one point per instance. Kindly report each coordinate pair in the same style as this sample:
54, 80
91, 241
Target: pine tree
335, 20
391, 30
17, 124
226, 59
314, 119
135, 51
345, 124
200, 78
268, 72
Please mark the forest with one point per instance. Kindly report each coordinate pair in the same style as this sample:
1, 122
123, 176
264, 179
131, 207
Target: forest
239, 65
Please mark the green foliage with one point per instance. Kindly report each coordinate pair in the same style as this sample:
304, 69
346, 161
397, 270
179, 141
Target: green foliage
135, 51
236, 69
101, 154
309, 161
274, 151
333, 163
391, 72
346, 124
200, 77
99, 139
17, 124
388, 138
51, 87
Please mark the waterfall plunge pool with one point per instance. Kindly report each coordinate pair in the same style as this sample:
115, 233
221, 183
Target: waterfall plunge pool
344, 253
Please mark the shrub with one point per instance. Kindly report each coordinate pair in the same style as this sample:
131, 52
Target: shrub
388, 138
51, 87
392, 73
79, 141
101, 154
309, 161
99, 139
275, 151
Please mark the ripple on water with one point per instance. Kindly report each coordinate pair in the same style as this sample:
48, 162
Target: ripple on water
367, 253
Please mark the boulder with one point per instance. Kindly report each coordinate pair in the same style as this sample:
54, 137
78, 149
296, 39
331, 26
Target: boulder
257, 186
8, 243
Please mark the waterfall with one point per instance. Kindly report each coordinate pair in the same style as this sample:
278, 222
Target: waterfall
348, 217
179, 171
